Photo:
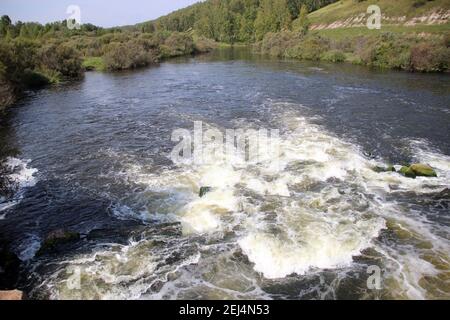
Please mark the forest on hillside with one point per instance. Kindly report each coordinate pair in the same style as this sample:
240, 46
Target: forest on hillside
236, 20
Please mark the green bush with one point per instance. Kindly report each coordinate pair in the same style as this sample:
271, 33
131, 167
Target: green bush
277, 44
16, 56
177, 44
429, 57
61, 58
333, 56
387, 51
203, 44
310, 48
130, 55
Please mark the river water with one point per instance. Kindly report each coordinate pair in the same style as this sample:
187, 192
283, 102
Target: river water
94, 157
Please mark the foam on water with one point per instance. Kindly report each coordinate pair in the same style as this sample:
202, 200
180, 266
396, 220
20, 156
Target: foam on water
316, 229
315, 208
22, 175
115, 272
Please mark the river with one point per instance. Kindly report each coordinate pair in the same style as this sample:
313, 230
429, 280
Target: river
93, 157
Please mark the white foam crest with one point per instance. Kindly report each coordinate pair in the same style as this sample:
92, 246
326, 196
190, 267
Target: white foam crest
440, 162
323, 246
121, 272
21, 175
328, 157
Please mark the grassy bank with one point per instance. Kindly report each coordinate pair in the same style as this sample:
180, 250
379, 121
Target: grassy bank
352, 32
94, 64
343, 10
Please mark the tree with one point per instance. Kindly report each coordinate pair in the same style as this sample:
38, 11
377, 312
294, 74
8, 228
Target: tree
273, 16
294, 7
5, 25
302, 23
148, 27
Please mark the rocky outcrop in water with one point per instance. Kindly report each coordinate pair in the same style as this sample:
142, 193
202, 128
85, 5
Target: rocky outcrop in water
407, 172
442, 199
12, 295
380, 169
56, 239
418, 170
423, 170
204, 191
412, 171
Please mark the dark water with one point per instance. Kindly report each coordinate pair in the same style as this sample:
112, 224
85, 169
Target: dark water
93, 157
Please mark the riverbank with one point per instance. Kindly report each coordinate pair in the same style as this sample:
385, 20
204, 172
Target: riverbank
408, 52
7, 95
33, 64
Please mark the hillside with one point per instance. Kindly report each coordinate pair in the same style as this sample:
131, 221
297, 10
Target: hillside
233, 21
420, 15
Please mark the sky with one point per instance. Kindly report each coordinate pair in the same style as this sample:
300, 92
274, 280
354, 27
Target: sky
104, 13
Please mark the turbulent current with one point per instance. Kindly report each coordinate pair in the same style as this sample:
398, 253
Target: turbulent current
310, 226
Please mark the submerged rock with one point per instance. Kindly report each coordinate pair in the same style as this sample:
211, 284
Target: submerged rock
204, 191
423, 170
407, 172
12, 295
442, 199
444, 194
379, 169
56, 238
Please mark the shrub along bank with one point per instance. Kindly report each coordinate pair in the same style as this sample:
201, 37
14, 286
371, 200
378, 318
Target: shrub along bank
387, 50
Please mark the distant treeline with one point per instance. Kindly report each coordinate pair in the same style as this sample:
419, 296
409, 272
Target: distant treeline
233, 21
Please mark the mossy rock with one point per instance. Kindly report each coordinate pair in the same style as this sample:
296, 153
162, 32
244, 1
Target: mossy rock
57, 238
443, 195
204, 191
407, 172
423, 170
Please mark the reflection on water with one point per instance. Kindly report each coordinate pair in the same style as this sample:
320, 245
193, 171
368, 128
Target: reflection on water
309, 231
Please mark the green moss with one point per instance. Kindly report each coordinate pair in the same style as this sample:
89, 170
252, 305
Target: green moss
407, 172
94, 63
